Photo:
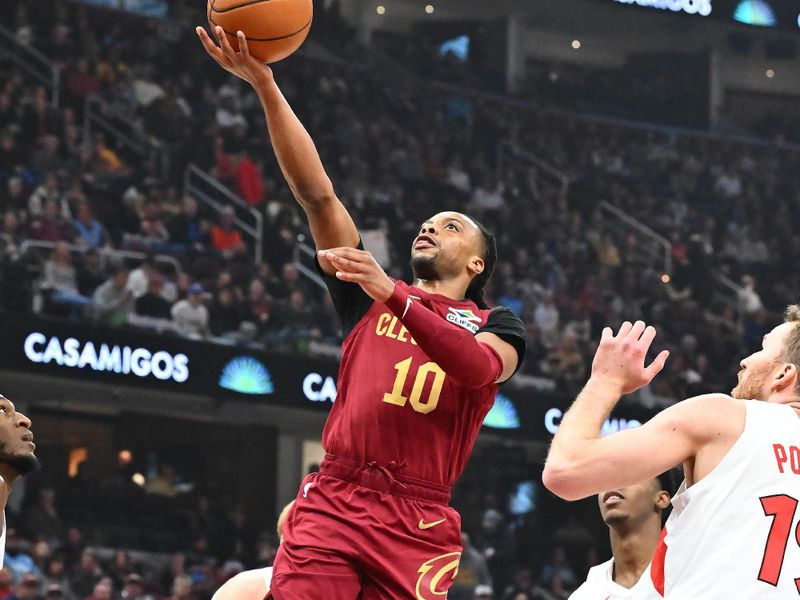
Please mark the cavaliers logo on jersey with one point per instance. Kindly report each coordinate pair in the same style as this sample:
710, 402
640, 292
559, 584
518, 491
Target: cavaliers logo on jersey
437, 575
464, 318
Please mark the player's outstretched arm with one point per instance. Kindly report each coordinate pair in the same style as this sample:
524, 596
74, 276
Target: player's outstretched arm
474, 360
331, 224
582, 463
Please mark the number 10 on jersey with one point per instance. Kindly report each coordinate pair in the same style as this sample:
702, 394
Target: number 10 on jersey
420, 379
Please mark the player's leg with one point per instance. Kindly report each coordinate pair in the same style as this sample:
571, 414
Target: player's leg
416, 555
316, 558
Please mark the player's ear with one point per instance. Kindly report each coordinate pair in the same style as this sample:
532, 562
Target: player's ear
785, 378
662, 499
476, 265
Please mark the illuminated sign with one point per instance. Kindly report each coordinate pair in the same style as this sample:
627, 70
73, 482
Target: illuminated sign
246, 375
692, 7
503, 414
552, 420
149, 8
125, 360
318, 388
755, 12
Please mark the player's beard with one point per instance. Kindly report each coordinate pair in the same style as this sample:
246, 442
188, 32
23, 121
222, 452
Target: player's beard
21, 463
751, 387
424, 267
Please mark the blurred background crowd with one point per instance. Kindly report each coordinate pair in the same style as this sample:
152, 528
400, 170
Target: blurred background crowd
93, 229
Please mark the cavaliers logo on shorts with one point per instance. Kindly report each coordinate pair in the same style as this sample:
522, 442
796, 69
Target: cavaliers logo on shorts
437, 575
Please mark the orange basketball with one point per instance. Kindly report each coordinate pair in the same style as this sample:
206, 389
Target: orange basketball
273, 28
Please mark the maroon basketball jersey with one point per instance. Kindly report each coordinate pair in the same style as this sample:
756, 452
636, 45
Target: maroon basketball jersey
396, 405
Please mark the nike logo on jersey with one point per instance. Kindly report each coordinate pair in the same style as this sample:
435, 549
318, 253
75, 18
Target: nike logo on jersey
307, 487
409, 302
424, 525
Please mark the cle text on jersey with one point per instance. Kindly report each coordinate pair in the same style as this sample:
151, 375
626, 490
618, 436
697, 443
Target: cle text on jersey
390, 326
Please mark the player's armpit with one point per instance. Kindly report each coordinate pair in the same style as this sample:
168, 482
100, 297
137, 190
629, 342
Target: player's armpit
582, 467
331, 226
508, 354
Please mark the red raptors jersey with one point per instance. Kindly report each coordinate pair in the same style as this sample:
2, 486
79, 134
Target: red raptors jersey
394, 405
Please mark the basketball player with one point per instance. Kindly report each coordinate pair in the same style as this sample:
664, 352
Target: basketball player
633, 515
419, 371
17, 456
253, 584
733, 528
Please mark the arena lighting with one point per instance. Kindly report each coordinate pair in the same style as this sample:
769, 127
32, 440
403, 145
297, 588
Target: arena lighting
755, 12
552, 421
429, 9
576, 44
692, 7
246, 375
503, 414
770, 73
381, 9
665, 278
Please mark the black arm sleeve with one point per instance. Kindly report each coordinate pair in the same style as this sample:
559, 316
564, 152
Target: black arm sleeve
351, 302
509, 328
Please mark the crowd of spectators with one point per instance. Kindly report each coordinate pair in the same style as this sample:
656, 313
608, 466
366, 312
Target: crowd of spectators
48, 556
394, 148
397, 149
160, 536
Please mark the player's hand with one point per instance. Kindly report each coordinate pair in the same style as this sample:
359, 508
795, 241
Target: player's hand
239, 63
359, 266
620, 358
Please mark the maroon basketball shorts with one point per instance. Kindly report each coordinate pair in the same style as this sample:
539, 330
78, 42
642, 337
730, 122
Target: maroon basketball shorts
357, 532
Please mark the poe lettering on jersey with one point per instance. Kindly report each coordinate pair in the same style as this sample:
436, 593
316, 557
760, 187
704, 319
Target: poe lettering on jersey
787, 458
390, 326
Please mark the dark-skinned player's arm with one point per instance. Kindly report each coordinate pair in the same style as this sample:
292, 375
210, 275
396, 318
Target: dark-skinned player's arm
581, 462
473, 360
331, 225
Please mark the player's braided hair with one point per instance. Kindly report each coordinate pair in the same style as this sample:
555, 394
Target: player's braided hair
475, 291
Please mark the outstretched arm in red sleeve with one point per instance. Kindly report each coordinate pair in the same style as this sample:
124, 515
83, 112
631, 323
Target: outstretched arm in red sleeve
473, 360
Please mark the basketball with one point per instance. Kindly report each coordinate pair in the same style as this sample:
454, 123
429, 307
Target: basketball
273, 28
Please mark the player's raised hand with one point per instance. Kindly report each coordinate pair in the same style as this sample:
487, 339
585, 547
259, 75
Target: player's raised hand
620, 358
241, 63
359, 266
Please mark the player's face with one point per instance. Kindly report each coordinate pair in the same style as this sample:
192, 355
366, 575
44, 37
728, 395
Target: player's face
447, 244
16, 439
632, 503
758, 370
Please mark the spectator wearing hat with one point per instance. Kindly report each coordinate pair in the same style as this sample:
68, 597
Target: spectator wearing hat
189, 315
134, 588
